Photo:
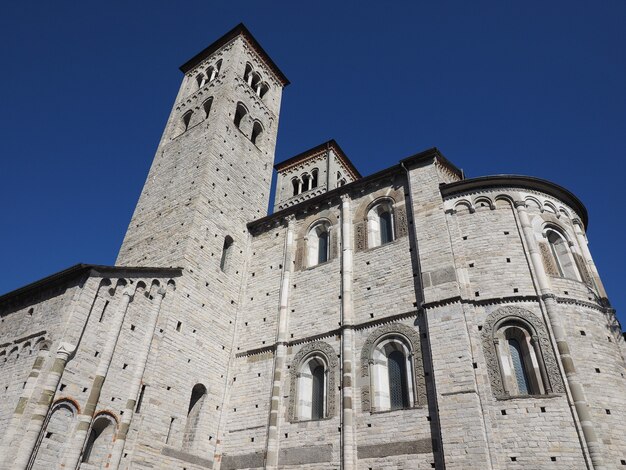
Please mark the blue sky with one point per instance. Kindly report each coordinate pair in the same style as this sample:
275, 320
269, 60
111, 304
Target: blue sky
535, 88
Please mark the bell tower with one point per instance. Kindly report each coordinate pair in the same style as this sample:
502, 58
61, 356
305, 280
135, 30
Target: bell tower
211, 175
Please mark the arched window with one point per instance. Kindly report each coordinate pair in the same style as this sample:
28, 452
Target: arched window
226, 253
380, 229
296, 186
213, 71
562, 255
257, 130
247, 73
186, 119
255, 78
263, 89
391, 374
312, 389
306, 182
239, 114
200, 80
206, 106
318, 244
519, 358
196, 402
100, 441
314, 176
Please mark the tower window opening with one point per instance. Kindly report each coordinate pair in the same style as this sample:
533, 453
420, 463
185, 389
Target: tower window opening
187, 120
380, 226
296, 186
257, 130
263, 89
314, 174
206, 106
247, 74
562, 255
200, 80
239, 114
306, 182
226, 253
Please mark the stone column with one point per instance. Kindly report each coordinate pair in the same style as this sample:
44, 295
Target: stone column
273, 441
13, 426
135, 384
584, 248
348, 422
72, 453
29, 441
549, 299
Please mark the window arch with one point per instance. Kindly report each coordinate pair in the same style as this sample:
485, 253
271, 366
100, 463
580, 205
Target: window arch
380, 224
196, 403
206, 106
257, 130
306, 182
200, 80
560, 250
247, 73
262, 89
392, 374
518, 354
296, 185
318, 243
186, 120
226, 253
239, 114
314, 177
100, 440
312, 388
314, 375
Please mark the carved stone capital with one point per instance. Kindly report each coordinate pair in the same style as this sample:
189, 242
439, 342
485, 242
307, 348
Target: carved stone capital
520, 204
66, 350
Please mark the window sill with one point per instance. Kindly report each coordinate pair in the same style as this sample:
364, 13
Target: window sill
319, 264
306, 421
380, 412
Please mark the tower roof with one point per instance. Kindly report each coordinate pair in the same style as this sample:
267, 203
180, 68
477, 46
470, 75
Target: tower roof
239, 30
331, 144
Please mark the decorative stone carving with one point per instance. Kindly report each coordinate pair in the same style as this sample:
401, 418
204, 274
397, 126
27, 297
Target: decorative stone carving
413, 338
548, 260
540, 335
582, 269
360, 238
327, 351
402, 228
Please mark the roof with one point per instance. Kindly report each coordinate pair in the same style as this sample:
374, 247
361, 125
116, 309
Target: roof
319, 149
433, 152
524, 182
239, 30
79, 270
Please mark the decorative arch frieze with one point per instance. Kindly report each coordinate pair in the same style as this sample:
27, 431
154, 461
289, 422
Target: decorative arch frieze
327, 352
412, 336
554, 382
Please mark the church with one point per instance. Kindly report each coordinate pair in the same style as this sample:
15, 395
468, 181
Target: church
408, 319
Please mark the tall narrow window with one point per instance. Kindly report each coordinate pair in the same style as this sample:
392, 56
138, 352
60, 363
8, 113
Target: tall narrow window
263, 89
247, 74
200, 80
257, 130
318, 244
187, 120
322, 248
519, 369
386, 229
206, 106
306, 182
296, 186
226, 252
317, 395
398, 390
239, 114
380, 228
562, 256
391, 374
314, 174
312, 388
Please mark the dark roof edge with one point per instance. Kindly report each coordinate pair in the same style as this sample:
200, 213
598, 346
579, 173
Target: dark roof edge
239, 30
525, 182
331, 144
79, 269
433, 153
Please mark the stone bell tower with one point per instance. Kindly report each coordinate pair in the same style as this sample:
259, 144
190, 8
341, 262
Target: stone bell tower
211, 175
